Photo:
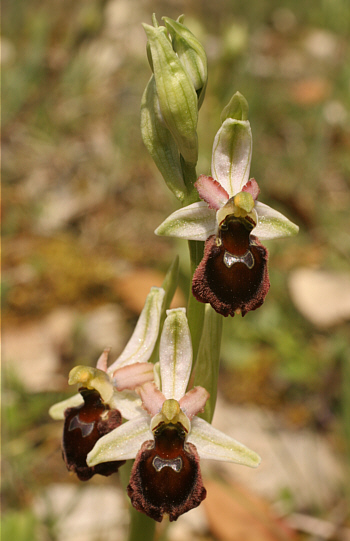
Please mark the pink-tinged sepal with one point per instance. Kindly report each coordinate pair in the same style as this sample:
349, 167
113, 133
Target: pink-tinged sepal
211, 192
233, 274
166, 477
84, 425
252, 187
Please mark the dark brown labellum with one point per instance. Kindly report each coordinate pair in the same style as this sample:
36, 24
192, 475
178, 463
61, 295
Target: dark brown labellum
166, 477
83, 426
233, 274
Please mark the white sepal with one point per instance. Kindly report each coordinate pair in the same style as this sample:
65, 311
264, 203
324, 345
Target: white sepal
175, 353
194, 222
232, 154
122, 443
213, 444
57, 410
272, 224
141, 344
127, 402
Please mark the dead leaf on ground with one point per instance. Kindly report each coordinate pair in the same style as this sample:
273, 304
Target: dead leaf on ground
323, 297
310, 91
235, 514
134, 287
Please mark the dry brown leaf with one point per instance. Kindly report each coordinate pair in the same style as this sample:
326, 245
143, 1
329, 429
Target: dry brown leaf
235, 514
310, 91
134, 287
323, 297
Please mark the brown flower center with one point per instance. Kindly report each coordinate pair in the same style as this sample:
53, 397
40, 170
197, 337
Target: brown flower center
232, 275
83, 426
166, 476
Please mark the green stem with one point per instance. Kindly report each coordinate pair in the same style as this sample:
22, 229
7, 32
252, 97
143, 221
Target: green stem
141, 526
195, 309
206, 371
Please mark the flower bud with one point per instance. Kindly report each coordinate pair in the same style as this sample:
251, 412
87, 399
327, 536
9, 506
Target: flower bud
159, 141
237, 108
191, 54
177, 97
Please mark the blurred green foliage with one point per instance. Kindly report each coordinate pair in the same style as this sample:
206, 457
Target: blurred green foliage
21, 526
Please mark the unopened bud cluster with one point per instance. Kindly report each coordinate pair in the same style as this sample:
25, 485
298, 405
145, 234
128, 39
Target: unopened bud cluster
173, 96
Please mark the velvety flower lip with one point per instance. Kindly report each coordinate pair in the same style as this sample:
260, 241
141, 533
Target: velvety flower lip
83, 426
229, 219
168, 438
233, 275
166, 476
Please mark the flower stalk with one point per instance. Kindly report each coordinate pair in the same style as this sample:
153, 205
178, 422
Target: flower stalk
140, 525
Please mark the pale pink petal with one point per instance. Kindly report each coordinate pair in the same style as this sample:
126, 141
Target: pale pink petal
194, 401
102, 360
152, 398
252, 187
211, 191
132, 376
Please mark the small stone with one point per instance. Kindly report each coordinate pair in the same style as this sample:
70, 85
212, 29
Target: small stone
323, 297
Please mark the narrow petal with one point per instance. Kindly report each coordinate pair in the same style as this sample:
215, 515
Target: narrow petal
213, 444
103, 360
211, 191
232, 153
252, 187
122, 443
141, 344
194, 401
194, 222
272, 224
152, 398
175, 353
57, 410
132, 376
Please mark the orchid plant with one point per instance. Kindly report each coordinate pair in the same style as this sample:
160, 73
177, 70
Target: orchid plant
167, 428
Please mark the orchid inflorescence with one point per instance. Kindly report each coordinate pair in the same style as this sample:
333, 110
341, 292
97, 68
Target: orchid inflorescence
167, 428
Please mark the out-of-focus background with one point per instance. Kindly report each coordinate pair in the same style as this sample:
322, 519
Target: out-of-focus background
81, 201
